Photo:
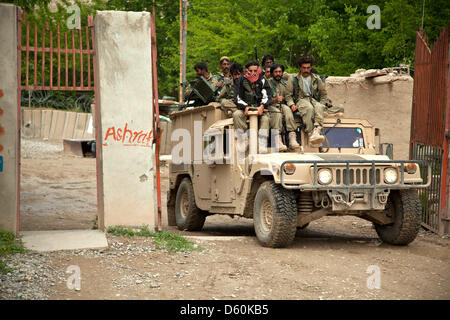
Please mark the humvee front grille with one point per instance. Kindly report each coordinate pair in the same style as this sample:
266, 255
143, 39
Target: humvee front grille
356, 174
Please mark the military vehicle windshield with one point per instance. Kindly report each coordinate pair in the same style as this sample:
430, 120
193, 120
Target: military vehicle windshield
344, 137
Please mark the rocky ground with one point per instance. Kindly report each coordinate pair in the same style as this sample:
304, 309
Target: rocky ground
334, 258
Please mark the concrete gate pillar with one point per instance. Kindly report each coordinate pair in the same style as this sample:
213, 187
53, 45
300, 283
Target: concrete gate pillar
9, 117
125, 119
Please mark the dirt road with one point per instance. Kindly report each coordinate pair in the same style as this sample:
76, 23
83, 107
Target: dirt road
334, 258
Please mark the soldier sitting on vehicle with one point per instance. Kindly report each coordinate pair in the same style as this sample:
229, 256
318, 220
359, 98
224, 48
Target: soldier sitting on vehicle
226, 94
201, 70
224, 77
307, 93
253, 91
267, 62
278, 85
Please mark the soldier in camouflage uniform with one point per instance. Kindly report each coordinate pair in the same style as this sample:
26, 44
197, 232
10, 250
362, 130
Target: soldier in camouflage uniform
201, 70
226, 94
278, 85
267, 62
223, 78
307, 93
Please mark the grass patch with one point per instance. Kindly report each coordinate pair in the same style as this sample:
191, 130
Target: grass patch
8, 245
162, 239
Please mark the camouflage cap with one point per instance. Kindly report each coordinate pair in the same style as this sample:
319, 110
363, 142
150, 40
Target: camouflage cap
223, 58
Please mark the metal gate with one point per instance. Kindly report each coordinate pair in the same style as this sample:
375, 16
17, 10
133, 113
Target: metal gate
430, 126
76, 49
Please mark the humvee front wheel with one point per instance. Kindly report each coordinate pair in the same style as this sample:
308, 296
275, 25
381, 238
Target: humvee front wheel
274, 215
404, 208
188, 216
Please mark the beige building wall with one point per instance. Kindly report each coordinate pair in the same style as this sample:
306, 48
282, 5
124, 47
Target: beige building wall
386, 101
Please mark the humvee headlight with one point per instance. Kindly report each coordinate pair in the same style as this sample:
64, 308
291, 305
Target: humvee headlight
390, 175
325, 176
289, 168
411, 168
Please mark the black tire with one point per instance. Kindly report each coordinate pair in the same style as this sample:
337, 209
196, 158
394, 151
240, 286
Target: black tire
404, 207
273, 202
188, 216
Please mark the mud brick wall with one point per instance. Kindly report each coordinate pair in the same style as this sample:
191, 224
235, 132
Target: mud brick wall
385, 101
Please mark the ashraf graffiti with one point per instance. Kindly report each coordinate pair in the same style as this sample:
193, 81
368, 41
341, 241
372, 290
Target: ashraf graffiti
128, 137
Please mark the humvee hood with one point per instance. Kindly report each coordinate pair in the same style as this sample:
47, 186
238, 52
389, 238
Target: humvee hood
279, 158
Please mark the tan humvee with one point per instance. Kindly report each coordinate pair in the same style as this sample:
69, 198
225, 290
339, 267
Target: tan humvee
286, 191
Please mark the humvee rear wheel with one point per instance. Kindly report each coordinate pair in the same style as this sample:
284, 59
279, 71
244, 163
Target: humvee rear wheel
404, 207
274, 215
188, 216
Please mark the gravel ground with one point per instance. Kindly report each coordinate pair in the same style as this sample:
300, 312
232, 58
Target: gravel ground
31, 277
38, 149
36, 276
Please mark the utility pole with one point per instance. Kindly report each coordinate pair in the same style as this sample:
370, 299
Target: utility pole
183, 46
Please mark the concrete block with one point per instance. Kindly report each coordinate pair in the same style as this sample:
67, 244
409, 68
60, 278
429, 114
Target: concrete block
80, 125
124, 70
58, 119
36, 119
69, 125
89, 132
46, 123
43, 241
10, 155
27, 123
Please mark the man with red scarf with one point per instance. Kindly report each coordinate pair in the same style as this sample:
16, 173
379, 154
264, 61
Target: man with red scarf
252, 90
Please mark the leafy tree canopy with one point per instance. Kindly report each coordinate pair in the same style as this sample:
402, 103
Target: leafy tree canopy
333, 32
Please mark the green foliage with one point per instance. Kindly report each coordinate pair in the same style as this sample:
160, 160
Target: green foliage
163, 240
8, 245
334, 32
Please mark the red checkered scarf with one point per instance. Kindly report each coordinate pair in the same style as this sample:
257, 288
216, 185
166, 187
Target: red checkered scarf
253, 78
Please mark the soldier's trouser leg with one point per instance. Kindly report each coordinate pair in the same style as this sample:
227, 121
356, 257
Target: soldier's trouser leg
307, 112
334, 109
239, 120
275, 119
319, 109
289, 118
227, 103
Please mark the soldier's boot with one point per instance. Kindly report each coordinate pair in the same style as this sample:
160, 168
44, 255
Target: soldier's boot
334, 115
282, 147
293, 144
315, 138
